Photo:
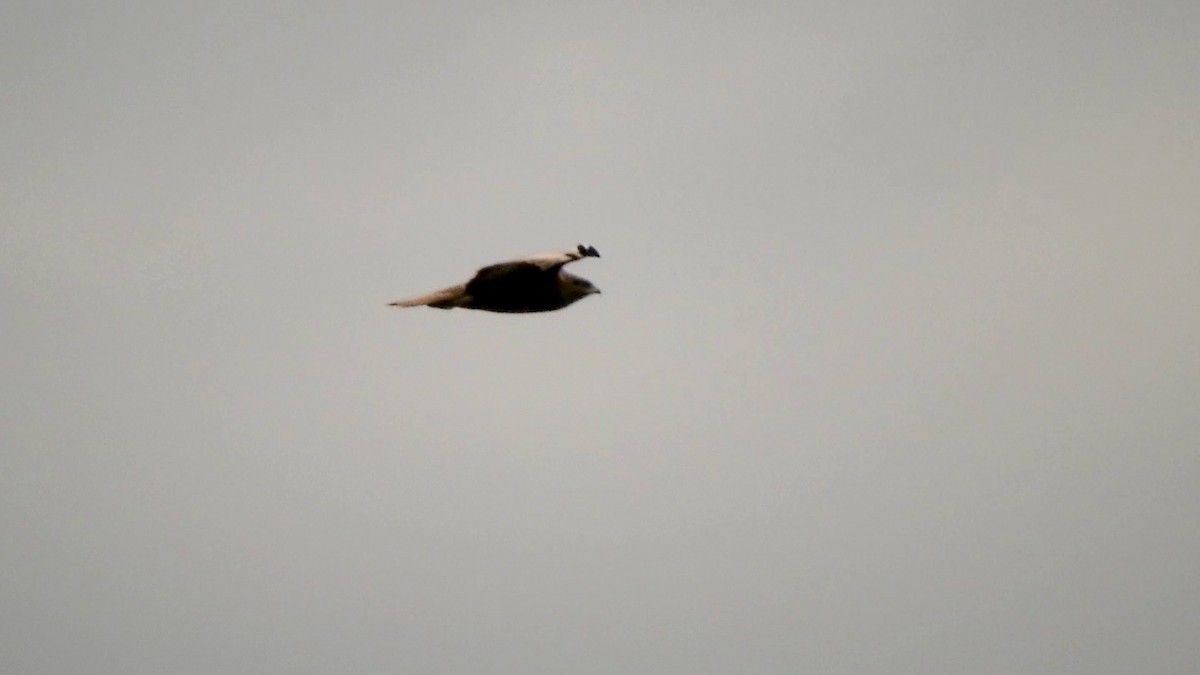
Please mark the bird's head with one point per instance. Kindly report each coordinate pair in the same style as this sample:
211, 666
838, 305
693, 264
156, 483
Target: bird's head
577, 288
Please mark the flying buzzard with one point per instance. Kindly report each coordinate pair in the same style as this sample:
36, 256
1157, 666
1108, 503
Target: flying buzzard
536, 284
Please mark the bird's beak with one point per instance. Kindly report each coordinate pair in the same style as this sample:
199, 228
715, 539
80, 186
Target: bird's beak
595, 291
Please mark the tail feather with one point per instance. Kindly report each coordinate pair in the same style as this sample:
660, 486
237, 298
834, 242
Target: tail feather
455, 296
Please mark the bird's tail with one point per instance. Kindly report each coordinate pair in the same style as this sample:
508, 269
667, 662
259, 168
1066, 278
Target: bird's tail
455, 296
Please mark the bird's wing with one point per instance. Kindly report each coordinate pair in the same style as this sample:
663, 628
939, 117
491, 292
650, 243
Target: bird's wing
554, 261
535, 274
530, 281
455, 296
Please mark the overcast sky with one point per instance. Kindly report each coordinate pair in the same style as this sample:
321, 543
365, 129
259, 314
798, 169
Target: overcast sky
896, 369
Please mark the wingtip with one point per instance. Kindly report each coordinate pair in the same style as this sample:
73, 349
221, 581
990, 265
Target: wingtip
588, 251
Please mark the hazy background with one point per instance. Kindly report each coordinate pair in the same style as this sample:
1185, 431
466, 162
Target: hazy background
896, 370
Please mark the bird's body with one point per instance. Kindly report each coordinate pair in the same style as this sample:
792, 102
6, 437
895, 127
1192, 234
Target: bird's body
535, 284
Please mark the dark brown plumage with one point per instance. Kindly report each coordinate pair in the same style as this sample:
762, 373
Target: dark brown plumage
535, 284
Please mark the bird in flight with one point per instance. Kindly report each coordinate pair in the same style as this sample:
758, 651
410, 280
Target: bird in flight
534, 284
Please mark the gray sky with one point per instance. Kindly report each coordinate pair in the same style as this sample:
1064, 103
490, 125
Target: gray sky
896, 368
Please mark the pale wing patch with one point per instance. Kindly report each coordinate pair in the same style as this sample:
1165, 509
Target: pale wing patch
560, 258
548, 260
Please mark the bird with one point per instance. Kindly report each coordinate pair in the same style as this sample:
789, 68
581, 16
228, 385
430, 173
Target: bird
534, 284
